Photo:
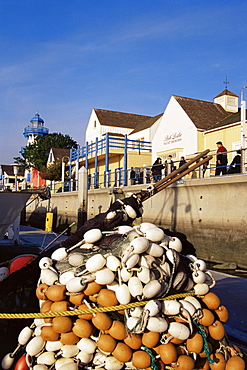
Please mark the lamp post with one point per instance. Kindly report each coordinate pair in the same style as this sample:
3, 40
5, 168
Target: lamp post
1, 178
65, 160
243, 129
15, 169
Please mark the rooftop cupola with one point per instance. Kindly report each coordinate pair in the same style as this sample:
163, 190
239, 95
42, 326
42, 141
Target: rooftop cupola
228, 100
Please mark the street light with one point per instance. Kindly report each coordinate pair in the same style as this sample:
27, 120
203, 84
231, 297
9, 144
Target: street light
16, 169
243, 129
65, 160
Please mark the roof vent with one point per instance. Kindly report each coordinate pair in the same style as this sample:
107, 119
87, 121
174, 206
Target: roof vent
228, 100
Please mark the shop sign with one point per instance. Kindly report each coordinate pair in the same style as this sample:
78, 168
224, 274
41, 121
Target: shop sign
173, 138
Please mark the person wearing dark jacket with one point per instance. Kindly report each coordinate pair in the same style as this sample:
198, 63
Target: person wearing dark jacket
157, 169
235, 164
133, 176
221, 159
182, 162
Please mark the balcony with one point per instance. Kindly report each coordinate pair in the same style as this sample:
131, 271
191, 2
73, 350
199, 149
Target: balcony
35, 130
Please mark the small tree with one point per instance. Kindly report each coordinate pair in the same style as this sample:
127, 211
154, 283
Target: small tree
53, 171
36, 154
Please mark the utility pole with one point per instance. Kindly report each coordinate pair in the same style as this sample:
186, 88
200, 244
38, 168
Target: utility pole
243, 130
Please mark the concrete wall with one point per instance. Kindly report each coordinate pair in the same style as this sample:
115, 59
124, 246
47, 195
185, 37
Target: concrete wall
211, 212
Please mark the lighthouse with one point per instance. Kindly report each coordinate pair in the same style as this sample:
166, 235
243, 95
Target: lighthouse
35, 128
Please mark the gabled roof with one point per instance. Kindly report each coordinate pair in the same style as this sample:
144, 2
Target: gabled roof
9, 170
59, 153
119, 119
203, 114
226, 92
146, 124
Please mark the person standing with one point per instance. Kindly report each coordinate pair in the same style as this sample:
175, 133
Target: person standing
156, 169
140, 176
169, 165
182, 161
221, 159
204, 166
235, 164
132, 176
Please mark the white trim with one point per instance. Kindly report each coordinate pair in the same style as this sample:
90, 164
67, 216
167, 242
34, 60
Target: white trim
222, 127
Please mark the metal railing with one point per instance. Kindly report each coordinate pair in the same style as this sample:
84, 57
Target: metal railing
109, 143
143, 175
36, 130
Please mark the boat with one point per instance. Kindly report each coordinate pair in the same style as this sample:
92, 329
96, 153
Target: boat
11, 204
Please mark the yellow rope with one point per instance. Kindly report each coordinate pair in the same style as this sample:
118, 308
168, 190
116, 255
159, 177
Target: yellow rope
88, 310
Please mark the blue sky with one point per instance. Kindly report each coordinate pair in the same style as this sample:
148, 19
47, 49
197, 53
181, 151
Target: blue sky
62, 58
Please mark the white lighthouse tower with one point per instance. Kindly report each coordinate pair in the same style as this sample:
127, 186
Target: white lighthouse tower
36, 128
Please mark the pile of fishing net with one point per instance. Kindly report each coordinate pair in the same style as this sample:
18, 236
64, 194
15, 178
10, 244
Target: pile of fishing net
125, 299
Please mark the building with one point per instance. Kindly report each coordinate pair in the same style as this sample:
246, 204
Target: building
145, 130
185, 122
61, 156
34, 129
9, 175
227, 130
114, 123
191, 125
110, 151
58, 154
117, 141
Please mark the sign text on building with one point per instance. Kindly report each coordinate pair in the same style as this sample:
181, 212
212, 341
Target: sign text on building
173, 138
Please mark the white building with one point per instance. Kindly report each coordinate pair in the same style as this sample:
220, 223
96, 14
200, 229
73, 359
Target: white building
146, 130
181, 127
186, 126
102, 121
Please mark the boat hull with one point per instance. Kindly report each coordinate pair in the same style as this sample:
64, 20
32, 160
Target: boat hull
11, 204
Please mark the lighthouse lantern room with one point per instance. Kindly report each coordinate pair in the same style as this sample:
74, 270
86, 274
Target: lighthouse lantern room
36, 128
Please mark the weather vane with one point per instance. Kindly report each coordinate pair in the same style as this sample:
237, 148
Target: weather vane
226, 82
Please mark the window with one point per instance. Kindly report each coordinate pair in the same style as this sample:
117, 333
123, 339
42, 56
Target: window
94, 124
230, 101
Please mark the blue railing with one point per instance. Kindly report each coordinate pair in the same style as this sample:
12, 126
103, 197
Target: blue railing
121, 176
106, 146
35, 130
108, 143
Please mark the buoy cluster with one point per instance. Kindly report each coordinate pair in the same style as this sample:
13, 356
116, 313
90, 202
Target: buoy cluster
165, 316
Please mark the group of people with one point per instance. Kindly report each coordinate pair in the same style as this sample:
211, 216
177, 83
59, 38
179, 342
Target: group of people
169, 167
222, 161
136, 177
221, 164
